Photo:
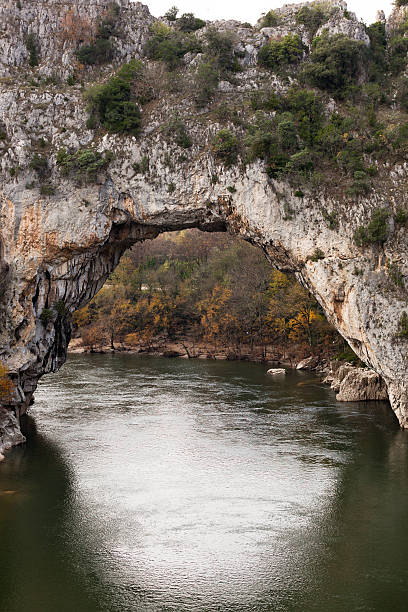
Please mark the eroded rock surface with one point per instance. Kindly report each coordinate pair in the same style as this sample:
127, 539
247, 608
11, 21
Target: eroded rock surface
58, 249
354, 384
10, 434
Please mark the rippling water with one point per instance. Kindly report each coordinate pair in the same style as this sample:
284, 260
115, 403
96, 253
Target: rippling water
170, 485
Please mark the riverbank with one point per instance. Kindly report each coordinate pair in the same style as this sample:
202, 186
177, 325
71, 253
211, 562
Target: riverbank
189, 349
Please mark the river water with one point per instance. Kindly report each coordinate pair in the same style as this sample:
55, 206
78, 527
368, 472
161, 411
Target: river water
168, 485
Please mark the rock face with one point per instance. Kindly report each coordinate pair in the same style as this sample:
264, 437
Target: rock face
57, 250
361, 385
356, 384
10, 434
310, 363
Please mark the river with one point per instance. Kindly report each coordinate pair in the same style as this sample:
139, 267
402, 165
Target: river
151, 484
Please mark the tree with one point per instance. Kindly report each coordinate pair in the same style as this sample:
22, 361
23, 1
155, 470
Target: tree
171, 14
336, 63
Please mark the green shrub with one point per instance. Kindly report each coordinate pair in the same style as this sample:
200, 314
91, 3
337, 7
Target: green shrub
403, 326
170, 46
402, 93
225, 147
261, 138
225, 114
60, 308
309, 113
47, 189
100, 52
401, 217
171, 14
349, 356
299, 193
376, 231
46, 316
331, 219
312, 17
176, 130
270, 20
40, 165
287, 133
278, 54
189, 23
358, 187
145, 164
266, 100
351, 158
317, 255
107, 27
397, 53
220, 50
301, 163
31, 43
335, 63
205, 83
377, 66
112, 101
83, 165
395, 274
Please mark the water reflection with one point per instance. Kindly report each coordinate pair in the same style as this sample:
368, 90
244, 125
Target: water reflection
168, 485
47, 560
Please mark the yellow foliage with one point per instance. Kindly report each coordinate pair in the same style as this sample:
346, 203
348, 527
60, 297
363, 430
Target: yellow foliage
144, 336
161, 29
82, 316
212, 310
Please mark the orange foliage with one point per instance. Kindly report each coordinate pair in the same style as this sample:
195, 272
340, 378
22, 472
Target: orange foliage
6, 384
76, 29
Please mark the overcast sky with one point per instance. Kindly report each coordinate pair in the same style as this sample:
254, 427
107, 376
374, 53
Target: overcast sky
252, 9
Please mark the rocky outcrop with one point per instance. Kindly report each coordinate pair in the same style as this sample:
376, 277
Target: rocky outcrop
10, 434
355, 384
361, 385
310, 363
58, 248
56, 24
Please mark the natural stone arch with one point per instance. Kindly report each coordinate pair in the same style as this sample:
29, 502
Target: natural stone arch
59, 248
61, 252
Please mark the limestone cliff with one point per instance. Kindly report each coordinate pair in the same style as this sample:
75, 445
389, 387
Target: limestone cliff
58, 245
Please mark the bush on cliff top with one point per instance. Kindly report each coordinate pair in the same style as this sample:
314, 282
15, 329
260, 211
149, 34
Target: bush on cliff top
278, 54
170, 45
335, 63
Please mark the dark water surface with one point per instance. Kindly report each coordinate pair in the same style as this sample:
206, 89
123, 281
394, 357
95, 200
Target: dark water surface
170, 485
